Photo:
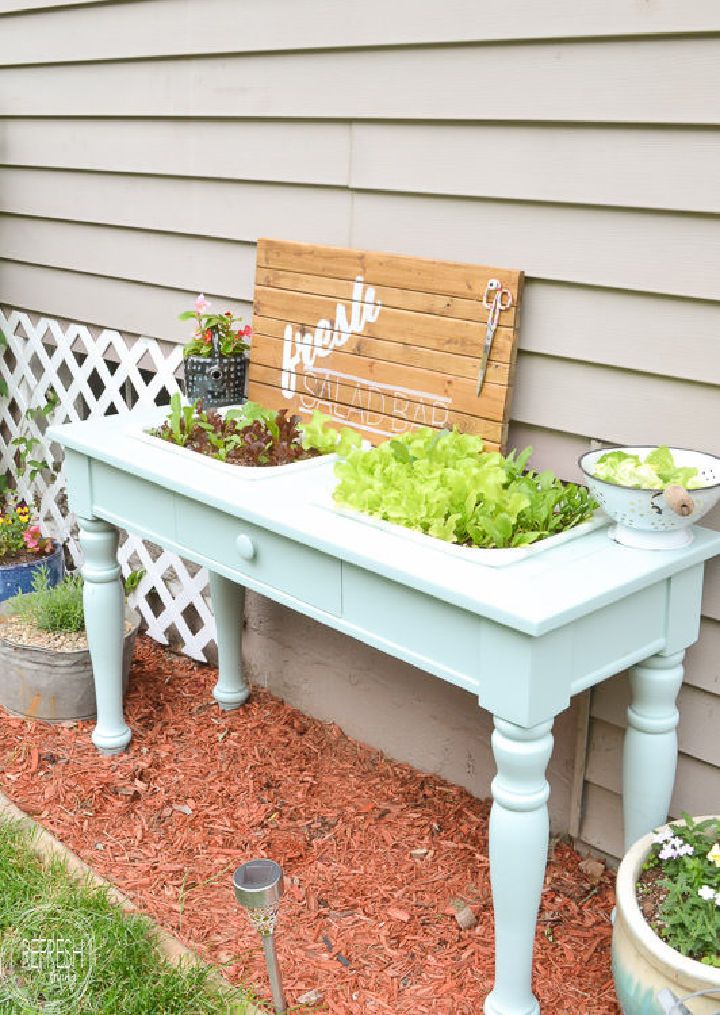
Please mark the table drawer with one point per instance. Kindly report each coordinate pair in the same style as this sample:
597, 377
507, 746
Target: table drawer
255, 553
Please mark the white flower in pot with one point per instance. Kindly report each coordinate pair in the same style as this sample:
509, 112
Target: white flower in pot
666, 938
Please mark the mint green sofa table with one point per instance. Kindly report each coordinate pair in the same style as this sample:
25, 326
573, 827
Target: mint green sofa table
524, 638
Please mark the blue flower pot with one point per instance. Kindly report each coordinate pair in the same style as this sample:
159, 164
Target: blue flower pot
16, 578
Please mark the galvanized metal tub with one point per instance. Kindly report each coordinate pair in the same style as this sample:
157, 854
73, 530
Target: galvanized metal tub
51, 685
16, 578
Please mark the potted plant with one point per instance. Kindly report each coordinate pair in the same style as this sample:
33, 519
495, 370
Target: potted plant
215, 357
24, 550
45, 667
666, 937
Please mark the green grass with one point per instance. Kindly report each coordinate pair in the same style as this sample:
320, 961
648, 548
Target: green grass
114, 956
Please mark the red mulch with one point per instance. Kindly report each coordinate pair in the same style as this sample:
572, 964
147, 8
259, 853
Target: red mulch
363, 920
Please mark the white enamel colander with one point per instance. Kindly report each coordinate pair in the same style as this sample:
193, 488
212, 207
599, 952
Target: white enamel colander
655, 519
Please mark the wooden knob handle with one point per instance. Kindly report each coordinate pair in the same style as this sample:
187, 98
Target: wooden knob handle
679, 500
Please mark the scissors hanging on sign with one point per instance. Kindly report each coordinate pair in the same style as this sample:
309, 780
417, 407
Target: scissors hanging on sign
496, 299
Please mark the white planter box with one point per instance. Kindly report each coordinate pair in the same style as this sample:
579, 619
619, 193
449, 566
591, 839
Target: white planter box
226, 469
487, 557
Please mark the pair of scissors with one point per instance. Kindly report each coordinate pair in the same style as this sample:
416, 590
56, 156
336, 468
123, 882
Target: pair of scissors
496, 299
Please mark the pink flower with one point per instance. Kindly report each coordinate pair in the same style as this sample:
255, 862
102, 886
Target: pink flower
32, 537
247, 330
201, 304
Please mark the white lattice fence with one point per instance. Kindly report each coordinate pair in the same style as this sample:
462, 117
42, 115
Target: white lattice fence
95, 373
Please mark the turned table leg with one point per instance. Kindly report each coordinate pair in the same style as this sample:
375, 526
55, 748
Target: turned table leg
104, 605
650, 755
519, 829
228, 602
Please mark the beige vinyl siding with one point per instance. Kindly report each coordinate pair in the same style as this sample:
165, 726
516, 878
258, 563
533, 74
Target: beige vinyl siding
274, 151
656, 81
144, 147
174, 27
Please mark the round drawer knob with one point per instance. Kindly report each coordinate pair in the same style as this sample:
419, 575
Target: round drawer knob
245, 547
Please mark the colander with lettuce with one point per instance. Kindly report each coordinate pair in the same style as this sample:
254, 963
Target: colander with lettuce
656, 472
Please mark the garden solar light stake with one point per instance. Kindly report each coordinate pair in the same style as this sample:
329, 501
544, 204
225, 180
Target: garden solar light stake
258, 888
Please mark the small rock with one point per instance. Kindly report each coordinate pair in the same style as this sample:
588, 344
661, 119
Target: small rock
182, 808
398, 914
594, 870
465, 918
419, 854
311, 997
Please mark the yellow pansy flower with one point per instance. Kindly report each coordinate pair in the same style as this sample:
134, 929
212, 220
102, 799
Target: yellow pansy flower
714, 854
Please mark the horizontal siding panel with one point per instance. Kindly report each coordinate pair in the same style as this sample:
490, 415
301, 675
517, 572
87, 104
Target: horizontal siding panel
603, 818
158, 259
660, 253
699, 716
171, 27
670, 169
556, 394
614, 406
634, 331
210, 208
602, 823
552, 393
251, 150
711, 590
645, 328
107, 302
551, 449
697, 784
24, 6
643, 337
702, 662
668, 81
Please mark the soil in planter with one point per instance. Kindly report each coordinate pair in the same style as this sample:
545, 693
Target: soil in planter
19, 632
257, 446
651, 895
21, 557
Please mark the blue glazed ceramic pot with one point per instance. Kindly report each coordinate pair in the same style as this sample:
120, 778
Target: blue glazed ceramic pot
16, 578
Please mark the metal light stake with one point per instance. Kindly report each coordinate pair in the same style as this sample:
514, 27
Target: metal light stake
258, 888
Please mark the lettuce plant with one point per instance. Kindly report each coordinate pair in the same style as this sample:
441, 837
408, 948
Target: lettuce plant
657, 471
253, 435
443, 484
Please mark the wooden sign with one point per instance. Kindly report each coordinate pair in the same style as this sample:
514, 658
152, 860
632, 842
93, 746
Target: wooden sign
381, 342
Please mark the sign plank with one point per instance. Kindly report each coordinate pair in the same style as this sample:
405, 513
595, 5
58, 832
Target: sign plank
383, 342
